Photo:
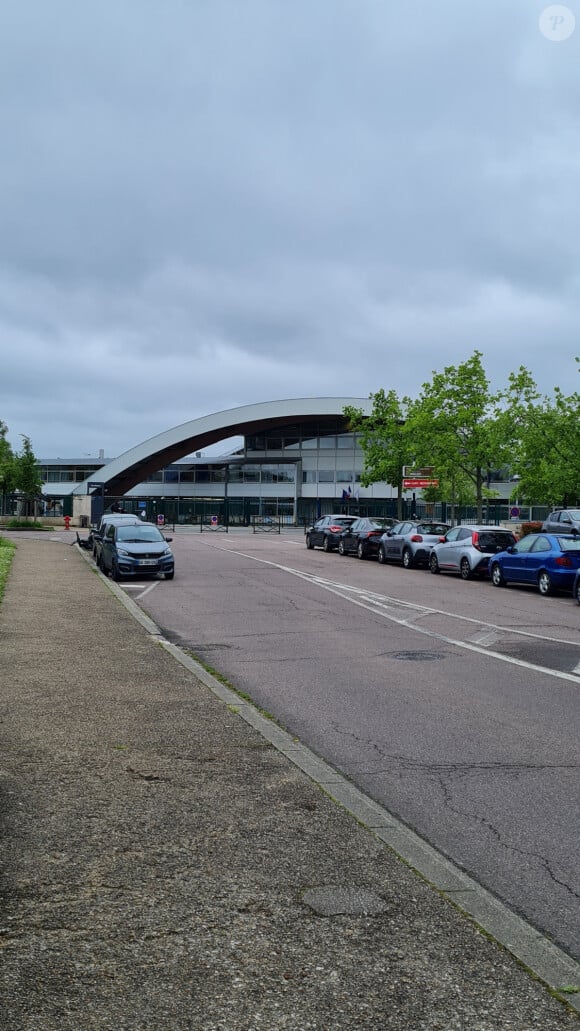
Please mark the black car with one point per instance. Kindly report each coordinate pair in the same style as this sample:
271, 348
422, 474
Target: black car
325, 532
362, 538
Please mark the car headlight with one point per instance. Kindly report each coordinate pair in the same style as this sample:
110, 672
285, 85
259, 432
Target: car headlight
167, 553
121, 551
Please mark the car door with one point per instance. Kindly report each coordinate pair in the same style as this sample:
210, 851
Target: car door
350, 536
516, 565
445, 550
393, 542
536, 560
317, 531
108, 547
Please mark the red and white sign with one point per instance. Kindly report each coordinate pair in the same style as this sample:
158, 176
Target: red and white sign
411, 484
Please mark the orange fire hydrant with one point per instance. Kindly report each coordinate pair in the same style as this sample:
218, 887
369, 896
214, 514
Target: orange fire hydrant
67, 522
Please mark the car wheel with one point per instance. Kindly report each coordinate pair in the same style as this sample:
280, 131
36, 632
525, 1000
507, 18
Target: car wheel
341, 550
169, 576
115, 571
326, 544
497, 577
465, 569
381, 555
545, 583
407, 558
433, 564
361, 551
309, 543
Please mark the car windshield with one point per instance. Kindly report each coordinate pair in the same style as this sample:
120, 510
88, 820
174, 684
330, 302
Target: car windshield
139, 534
569, 544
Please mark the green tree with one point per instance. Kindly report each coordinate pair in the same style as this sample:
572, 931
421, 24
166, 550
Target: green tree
27, 474
545, 441
383, 440
455, 427
7, 470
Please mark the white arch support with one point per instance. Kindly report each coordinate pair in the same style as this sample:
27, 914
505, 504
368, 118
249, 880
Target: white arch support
135, 465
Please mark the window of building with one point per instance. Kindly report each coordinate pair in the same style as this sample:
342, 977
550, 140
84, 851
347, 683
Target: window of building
326, 475
309, 476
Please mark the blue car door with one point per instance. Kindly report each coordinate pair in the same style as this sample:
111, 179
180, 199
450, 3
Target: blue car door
537, 556
516, 563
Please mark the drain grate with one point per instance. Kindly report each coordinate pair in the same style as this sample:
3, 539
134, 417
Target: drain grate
417, 656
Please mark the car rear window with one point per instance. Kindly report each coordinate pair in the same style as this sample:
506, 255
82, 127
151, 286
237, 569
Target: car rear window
494, 540
343, 522
437, 528
569, 544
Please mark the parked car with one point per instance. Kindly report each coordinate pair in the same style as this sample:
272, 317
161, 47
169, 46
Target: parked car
562, 520
411, 542
576, 587
466, 550
549, 561
138, 549
362, 537
326, 531
106, 520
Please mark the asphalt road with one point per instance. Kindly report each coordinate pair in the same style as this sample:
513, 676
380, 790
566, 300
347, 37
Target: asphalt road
456, 705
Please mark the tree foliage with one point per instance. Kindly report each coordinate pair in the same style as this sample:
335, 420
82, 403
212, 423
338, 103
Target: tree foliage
383, 440
455, 428
7, 468
463, 429
544, 434
18, 471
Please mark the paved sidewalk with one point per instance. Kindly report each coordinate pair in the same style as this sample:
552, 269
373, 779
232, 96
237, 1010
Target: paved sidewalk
165, 868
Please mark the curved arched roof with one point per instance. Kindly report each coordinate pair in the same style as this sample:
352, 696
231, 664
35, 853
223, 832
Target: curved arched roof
139, 462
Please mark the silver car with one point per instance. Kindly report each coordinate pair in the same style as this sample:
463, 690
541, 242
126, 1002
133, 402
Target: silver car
466, 550
411, 542
562, 520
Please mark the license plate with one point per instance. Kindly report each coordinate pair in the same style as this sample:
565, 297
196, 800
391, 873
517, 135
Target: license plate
147, 562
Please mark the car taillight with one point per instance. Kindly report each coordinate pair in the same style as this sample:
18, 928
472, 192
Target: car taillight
416, 538
475, 540
565, 560
336, 529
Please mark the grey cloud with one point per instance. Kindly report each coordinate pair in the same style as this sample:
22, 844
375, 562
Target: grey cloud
236, 199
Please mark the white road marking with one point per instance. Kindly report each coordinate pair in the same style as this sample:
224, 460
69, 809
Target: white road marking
486, 638
147, 589
379, 605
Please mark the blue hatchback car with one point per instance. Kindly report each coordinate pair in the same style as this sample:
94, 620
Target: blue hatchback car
548, 561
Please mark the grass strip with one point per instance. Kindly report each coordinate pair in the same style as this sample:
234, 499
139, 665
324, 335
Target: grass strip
7, 549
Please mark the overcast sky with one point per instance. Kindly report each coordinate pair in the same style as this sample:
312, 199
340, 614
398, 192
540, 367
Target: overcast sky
208, 203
